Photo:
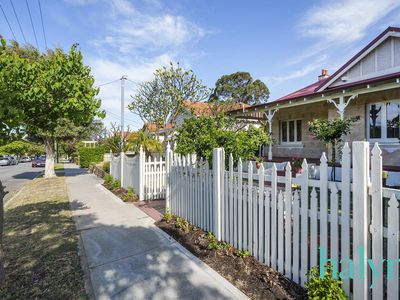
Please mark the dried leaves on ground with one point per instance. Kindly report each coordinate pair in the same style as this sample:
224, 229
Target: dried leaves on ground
41, 244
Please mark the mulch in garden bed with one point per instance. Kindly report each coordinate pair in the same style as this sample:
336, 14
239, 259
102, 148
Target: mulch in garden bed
122, 193
253, 278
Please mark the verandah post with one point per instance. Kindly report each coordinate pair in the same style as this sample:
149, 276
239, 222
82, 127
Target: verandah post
360, 217
111, 162
141, 173
218, 178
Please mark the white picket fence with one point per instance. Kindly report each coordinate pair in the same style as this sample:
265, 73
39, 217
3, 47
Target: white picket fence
283, 221
145, 175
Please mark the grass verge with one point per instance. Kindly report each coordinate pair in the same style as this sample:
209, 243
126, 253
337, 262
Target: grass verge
41, 244
59, 167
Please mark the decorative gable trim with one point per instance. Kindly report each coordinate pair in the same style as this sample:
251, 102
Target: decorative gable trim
389, 32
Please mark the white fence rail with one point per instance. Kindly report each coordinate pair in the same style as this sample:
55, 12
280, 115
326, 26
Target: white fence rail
145, 175
293, 224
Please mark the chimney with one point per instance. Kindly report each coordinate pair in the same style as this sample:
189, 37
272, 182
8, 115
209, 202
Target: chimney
324, 74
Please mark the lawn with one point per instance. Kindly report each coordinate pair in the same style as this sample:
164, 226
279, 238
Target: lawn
41, 244
59, 167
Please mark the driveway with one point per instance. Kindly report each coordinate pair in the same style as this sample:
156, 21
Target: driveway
13, 177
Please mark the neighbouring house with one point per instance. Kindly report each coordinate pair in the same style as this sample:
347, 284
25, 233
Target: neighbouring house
191, 109
367, 86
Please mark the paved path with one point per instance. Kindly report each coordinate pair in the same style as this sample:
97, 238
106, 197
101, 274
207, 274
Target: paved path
128, 257
13, 177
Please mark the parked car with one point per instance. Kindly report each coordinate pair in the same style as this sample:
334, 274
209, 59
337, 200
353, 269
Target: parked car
14, 160
25, 159
39, 162
4, 160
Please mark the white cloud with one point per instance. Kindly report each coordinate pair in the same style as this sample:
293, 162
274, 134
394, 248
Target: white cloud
298, 73
134, 41
344, 21
108, 70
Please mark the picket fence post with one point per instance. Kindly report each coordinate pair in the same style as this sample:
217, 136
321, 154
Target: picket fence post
377, 219
141, 173
360, 217
111, 162
122, 155
218, 184
168, 158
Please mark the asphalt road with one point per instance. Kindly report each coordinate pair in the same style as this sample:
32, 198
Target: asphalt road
13, 177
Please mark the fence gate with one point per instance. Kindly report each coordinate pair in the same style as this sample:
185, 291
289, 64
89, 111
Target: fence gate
147, 176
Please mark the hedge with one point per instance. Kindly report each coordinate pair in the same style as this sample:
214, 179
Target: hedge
90, 155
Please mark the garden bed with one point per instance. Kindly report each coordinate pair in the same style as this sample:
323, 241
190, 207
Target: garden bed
256, 280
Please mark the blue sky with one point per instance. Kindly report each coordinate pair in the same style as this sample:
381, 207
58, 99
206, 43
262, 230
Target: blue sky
283, 43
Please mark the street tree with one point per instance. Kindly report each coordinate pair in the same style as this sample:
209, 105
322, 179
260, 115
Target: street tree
57, 97
239, 87
161, 100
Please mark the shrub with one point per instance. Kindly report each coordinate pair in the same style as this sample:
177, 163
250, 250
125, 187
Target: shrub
106, 167
168, 216
201, 135
129, 195
116, 184
183, 224
108, 179
243, 253
326, 287
90, 155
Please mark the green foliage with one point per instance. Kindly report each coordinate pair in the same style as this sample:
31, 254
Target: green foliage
243, 254
106, 167
240, 87
116, 184
130, 193
90, 155
21, 148
108, 179
50, 94
161, 100
326, 287
183, 224
201, 135
168, 216
148, 143
214, 244
331, 132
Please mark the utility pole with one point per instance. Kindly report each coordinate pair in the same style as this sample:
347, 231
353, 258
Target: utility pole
123, 78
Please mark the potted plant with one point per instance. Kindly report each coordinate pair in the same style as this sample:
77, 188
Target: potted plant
296, 163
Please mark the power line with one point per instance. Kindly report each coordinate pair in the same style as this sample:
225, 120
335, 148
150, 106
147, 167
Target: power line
33, 27
41, 18
19, 24
108, 82
8, 23
135, 82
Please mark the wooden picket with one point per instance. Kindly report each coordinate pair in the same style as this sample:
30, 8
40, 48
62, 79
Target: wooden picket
285, 221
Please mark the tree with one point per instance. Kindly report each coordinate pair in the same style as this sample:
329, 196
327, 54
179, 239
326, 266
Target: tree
149, 144
57, 95
21, 147
201, 135
331, 132
239, 87
160, 100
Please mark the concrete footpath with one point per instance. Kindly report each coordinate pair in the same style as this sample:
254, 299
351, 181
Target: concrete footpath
127, 257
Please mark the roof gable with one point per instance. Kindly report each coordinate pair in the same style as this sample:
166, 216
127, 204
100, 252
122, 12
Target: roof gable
379, 58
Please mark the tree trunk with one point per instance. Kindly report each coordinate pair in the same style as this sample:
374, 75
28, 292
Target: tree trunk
49, 168
2, 271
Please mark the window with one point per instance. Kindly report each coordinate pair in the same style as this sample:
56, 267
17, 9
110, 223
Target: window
291, 131
383, 121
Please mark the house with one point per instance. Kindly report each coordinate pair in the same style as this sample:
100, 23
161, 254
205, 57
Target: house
367, 86
190, 109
